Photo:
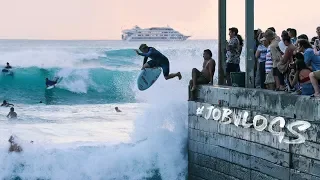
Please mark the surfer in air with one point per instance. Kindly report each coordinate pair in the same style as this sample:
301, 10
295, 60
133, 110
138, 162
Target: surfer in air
157, 60
51, 83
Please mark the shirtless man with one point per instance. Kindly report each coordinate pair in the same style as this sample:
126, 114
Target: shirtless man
12, 114
206, 75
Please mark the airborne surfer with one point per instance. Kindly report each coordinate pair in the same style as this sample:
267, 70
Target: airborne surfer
157, 60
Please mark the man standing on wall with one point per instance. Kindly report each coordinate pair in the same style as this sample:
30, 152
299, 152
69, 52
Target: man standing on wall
233, 54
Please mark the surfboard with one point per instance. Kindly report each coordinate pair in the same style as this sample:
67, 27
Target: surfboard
7, 71
147, 77
50, 87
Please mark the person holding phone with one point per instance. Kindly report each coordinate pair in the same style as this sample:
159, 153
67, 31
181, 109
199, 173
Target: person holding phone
316, 48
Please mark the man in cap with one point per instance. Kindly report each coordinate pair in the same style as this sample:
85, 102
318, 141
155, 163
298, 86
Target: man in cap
157, 60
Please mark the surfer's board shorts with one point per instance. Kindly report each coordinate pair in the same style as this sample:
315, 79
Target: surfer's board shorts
163, 63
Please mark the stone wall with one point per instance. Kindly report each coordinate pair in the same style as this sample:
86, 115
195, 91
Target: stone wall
222, 150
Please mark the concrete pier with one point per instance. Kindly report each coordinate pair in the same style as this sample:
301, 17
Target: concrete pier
223, 144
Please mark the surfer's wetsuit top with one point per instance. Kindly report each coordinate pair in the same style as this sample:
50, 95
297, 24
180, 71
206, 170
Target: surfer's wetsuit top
50, 83
157, 60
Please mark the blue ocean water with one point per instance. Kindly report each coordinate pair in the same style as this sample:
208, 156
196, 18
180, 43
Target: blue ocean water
77, 133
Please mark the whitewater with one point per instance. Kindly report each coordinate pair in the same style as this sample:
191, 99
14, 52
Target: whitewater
77, 133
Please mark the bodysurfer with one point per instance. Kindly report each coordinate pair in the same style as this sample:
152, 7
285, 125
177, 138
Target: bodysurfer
157, 60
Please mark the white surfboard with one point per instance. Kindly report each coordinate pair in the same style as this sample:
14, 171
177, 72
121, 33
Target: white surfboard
147, 77
50, 87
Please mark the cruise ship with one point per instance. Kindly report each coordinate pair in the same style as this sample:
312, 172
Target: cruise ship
153, 34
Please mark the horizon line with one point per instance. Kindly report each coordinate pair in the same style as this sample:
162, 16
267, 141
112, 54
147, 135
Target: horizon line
92, 40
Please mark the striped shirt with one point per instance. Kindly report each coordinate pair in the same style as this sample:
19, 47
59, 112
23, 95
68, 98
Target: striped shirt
263, 53
268, 61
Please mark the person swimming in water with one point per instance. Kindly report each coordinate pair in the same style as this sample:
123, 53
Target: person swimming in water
51, 83
14, 147
12, 114
117, 109
6, 104
157, 60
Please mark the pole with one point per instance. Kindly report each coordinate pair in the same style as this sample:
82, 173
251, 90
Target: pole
222, 15
250, 59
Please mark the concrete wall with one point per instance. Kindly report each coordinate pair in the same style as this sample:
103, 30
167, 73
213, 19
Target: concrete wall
225, 151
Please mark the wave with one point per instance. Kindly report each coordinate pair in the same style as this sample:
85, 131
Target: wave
107, 78
162, 125
77, 86
157, 151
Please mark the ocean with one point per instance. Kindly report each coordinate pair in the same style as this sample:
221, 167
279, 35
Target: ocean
77, 133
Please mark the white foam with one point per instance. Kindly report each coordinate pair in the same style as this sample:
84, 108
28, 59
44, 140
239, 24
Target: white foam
162, 124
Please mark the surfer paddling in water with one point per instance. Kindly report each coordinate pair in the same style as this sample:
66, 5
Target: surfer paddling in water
157, 60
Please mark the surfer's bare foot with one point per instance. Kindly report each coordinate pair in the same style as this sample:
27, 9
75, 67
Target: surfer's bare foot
179, 75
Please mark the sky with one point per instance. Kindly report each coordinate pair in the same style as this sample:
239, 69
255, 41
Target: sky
105, 19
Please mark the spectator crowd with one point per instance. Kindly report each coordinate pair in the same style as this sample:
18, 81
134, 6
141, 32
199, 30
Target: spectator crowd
287, 63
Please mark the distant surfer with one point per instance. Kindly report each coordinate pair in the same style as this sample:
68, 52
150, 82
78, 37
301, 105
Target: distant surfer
12, 114
6, 104
8, 66
50, 82
117, 109
157, 60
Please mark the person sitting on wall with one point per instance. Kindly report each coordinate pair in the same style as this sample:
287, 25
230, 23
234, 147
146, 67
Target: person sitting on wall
206, 74
301, 74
